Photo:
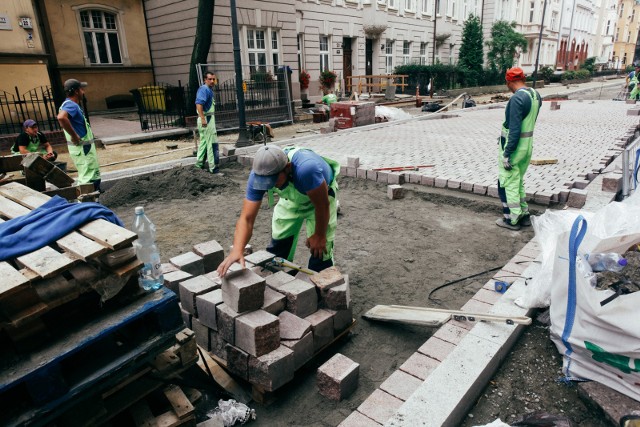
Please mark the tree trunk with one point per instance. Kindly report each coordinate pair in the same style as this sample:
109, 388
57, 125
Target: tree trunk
201, 47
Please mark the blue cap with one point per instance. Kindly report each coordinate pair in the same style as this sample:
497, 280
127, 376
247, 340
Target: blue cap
264, 182
622, 262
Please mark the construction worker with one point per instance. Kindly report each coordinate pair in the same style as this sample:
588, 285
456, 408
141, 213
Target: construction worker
634, 88
205, 106
33, 141
78, 134
516, 147
307, 186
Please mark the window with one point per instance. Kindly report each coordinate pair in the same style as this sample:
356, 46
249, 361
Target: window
633, 14
324, 53
608, 27
624, 59
388, 54
409, 5
406, 52
427, 7
628, 36
503, 9
101, 40
393, 4
554, 20
423, 54
532, 7
263, 49
451, 9
621, 9
300, 56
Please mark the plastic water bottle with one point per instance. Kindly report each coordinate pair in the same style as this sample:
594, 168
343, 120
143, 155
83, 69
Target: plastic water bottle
150, 275
606, 261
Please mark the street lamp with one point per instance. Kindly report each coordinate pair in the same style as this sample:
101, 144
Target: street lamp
243, 134
535, 70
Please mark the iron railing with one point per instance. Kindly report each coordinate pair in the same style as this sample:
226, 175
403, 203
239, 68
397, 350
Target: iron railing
37, 104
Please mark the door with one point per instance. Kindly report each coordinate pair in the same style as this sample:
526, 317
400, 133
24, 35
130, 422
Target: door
368, 55
347, 66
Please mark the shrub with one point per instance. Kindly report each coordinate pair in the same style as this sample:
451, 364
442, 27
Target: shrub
546, 72
327, 78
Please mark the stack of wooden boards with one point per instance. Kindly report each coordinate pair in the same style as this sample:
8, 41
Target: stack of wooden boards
261, 325
34, 171
74, 322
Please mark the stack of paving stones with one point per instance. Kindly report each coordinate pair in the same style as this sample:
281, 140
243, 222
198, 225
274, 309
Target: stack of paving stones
263, 325
384, 402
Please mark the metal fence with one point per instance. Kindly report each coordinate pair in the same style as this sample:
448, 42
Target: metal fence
37, 104
161, 105
266, 88
630, 165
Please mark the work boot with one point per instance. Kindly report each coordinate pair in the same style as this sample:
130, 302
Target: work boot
525, 221
501, 222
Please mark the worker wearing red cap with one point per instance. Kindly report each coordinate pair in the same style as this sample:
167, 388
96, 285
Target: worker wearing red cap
516, 147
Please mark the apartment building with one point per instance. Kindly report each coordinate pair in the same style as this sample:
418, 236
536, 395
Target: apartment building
626, 33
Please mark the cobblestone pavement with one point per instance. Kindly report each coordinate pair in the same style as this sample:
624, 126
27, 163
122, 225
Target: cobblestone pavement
463, 147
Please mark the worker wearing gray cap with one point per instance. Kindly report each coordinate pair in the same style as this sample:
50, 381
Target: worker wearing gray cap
78, 134
307, 186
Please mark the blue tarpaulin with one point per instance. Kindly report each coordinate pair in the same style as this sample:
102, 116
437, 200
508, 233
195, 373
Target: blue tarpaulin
48, 223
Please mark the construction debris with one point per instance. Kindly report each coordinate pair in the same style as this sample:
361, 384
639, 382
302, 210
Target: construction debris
545, 161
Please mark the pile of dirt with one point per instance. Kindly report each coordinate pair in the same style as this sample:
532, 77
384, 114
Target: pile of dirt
178, 183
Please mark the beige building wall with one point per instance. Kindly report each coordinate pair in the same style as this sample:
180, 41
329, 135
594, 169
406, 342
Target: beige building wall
25, 76
626, 34
18, 39
73, 61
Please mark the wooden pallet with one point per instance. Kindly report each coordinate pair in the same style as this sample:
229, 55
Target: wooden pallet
93, 356
30, 280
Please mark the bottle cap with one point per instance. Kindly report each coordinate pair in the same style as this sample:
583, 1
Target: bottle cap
139, 210
622, 262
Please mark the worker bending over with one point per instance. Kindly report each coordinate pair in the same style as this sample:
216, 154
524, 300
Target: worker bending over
307, 186
516, 147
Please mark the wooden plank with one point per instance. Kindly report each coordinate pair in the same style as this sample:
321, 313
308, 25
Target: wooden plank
108, 234
10, 209
47, 170
386, 313
179, 402
170, 419
545, 161
221, 377
81, 247
12, 281
126, 382
130, 267
10, 163
46, 262
23, 195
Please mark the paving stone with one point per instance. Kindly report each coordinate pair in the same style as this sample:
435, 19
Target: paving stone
400, 385
206, 306
356, 419
304, 277
441, 182
302, 299
272, 370
243, 291
515, 268
453, 184
215, 277
581, 184
257, 332
353, 162
479, 189
189, 262
292, 327
218, 344
543, 198
372, 175
173, 279
436, 348
191, 288
487, 296
419, 365
212, 254
167, 267
414, 178
327, 278
450, 333
351, 172
475, 306
248, 249
274, 302
633, 112
342, 319
338, 297
380, 406
382, 177
612, 182
428, 180
396, 178
322, 327
337, 378
260, 257
361, 173
226, 321
577, 198
186, 317
302, 349
202, 333
261, 271
466, 186
492, 191
237, 361
278, 279
395, 192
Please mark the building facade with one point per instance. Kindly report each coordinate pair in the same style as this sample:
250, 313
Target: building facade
626, 33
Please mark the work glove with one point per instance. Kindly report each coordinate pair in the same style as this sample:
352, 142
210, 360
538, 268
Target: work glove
506, 164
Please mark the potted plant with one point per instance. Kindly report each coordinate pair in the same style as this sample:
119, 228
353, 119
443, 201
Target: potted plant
327, 79
304, 79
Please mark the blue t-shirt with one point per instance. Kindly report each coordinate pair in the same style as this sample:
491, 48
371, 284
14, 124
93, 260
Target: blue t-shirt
204, 97
308, 172
76, 117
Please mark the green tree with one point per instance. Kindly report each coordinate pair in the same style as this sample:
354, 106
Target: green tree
201, 46
589, 64
471, 58
503, 45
